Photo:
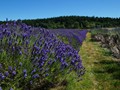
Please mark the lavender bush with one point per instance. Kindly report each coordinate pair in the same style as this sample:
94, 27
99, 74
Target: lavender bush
74, 37
29, 56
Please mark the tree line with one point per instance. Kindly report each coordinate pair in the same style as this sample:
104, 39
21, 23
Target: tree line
73, 22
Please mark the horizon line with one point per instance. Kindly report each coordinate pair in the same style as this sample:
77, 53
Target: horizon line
59, 16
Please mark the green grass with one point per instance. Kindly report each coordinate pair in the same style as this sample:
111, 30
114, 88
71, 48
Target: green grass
102, 70
99, 63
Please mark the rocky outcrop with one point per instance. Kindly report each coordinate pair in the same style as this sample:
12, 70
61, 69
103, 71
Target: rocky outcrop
111, 42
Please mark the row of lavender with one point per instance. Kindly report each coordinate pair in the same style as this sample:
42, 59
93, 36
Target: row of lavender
30, 56
74, 37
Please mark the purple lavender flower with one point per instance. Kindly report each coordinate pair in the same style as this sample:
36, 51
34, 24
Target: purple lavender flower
47, 74
6, 73
8, 33
9, 43
24, 35
31, 82
2, 77
27, 42
13, 48
35, 76
20, 63
1, 88
0, 74
1, 36
24, 71
14, 68
25, 75
33, 71
20, 52
10, 68
36, 48
50, 62
11, 89
14, 73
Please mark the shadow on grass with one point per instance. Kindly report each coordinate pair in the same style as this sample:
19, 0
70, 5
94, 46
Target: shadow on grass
110, 67
46, 85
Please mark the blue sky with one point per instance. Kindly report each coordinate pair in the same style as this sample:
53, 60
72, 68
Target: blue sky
32, 9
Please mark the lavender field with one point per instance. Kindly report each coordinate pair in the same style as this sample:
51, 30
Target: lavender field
59, 45
36, 58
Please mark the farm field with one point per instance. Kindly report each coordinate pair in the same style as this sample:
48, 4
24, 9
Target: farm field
59, 45
63, 59
35, 58
102, 70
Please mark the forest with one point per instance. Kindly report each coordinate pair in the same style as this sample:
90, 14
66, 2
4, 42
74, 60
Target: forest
72, 22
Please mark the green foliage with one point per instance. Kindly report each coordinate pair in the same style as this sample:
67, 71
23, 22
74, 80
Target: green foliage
74, 22
112, 32
99, 31
71, 22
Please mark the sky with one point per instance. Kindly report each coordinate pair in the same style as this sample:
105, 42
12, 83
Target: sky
33, 9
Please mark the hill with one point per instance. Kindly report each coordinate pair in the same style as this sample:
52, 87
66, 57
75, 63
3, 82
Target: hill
73, 22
